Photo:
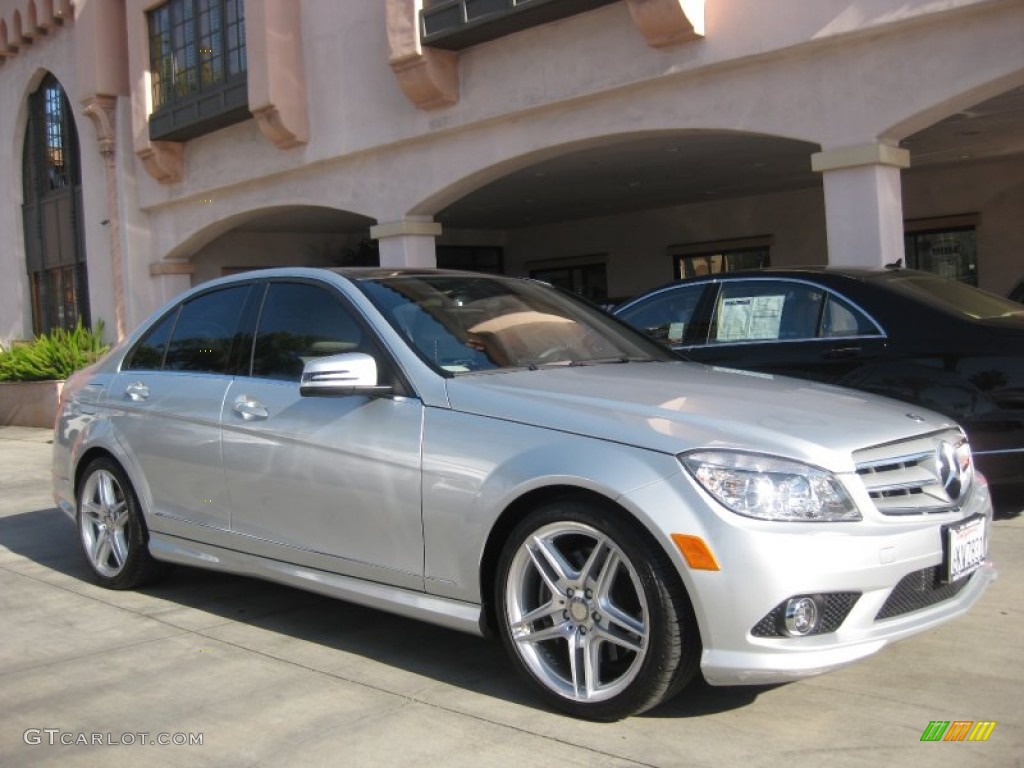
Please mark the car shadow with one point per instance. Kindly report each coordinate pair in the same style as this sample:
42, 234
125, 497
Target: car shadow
476, 664
1008, 507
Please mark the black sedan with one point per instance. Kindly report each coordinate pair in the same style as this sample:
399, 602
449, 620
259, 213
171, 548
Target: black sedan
902, 333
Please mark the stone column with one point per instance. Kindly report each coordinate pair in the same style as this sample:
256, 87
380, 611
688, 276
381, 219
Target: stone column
863, 203
407, 243
169, 279
102, 109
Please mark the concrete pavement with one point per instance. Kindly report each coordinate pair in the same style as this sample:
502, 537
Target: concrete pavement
265, 675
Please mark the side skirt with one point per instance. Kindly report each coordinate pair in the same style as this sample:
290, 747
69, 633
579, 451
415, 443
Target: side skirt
453, 614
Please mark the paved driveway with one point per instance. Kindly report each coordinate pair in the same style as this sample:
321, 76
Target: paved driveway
265, 676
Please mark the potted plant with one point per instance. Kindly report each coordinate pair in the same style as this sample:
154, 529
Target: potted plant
32, 373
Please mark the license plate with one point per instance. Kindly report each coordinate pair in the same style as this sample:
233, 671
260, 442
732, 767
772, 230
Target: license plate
965, 548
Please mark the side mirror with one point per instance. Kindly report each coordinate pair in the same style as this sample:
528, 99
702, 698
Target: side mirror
350, 373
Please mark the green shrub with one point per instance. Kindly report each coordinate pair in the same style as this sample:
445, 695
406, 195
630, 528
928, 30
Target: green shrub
52, 356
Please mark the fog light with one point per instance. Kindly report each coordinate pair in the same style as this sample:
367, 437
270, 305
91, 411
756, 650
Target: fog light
801, 616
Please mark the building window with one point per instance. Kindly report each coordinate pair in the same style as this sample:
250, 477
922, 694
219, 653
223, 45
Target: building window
586, 279
702, 259
950, 251
197, 67
459, 24
474, 258
51, 212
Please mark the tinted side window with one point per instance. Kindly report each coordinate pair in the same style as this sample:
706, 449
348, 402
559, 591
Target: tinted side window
300, 322
843, 319
148, 354
766, 310
206, 325
667, 315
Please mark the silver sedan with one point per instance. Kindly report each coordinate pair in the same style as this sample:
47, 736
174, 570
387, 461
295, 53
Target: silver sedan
494, 456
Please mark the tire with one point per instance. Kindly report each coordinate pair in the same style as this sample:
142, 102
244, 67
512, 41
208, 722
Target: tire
592, 612
111, 528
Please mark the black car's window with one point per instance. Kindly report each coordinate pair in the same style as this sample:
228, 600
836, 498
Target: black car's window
148, 354
840, 318
766, 310
666, 316
300, 322
206, 326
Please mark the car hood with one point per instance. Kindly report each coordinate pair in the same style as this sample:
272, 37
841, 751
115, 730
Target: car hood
674, 407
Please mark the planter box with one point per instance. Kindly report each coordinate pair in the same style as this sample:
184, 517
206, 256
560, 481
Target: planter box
29, 403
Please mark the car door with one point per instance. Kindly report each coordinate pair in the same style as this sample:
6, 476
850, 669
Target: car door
166, 404
331, 482
787, 327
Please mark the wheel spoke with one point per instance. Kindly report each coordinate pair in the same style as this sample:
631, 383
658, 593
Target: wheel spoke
606, 578
119, 517
550, 564
91, 513
593, 569
556, 632
107, 492
615, 615
621, 639
583, 665
548, 610
592, 656
101, 550
119, 548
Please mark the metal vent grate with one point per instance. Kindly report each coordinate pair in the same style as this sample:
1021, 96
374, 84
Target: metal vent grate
928, 474
918, 590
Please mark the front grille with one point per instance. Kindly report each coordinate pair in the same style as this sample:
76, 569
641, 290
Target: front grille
924, 475
918, 590
837, 606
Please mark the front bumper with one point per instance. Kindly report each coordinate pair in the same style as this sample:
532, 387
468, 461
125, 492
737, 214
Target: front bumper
763, 564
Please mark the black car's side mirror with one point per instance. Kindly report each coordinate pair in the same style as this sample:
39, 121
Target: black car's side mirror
350, 373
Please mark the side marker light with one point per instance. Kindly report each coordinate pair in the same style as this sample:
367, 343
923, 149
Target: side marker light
698, 555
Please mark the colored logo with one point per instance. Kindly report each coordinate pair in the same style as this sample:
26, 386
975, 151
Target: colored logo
958, 730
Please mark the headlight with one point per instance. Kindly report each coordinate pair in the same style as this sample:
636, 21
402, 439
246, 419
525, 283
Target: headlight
770, 489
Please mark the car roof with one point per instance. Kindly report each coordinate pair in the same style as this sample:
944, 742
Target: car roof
855, 273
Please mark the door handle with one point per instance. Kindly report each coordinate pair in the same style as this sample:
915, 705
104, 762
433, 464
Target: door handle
249, 409
838, 353
137, 391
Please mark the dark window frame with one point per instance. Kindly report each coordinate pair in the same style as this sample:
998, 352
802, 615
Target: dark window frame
198, 67
52, 211
720, 257
458, 24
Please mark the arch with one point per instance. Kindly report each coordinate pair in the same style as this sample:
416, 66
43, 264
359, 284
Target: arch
272, 217
743, 154
959, 103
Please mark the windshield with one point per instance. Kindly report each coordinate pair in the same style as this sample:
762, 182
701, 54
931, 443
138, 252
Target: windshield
955, 297
467, 323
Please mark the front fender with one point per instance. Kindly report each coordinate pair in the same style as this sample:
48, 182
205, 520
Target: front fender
466, 488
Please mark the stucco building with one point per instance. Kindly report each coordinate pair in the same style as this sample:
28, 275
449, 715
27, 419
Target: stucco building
607, 145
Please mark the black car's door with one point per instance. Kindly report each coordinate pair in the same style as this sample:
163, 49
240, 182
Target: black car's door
788, 327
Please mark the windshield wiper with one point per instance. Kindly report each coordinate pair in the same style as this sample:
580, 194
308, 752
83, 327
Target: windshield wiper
610, 360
